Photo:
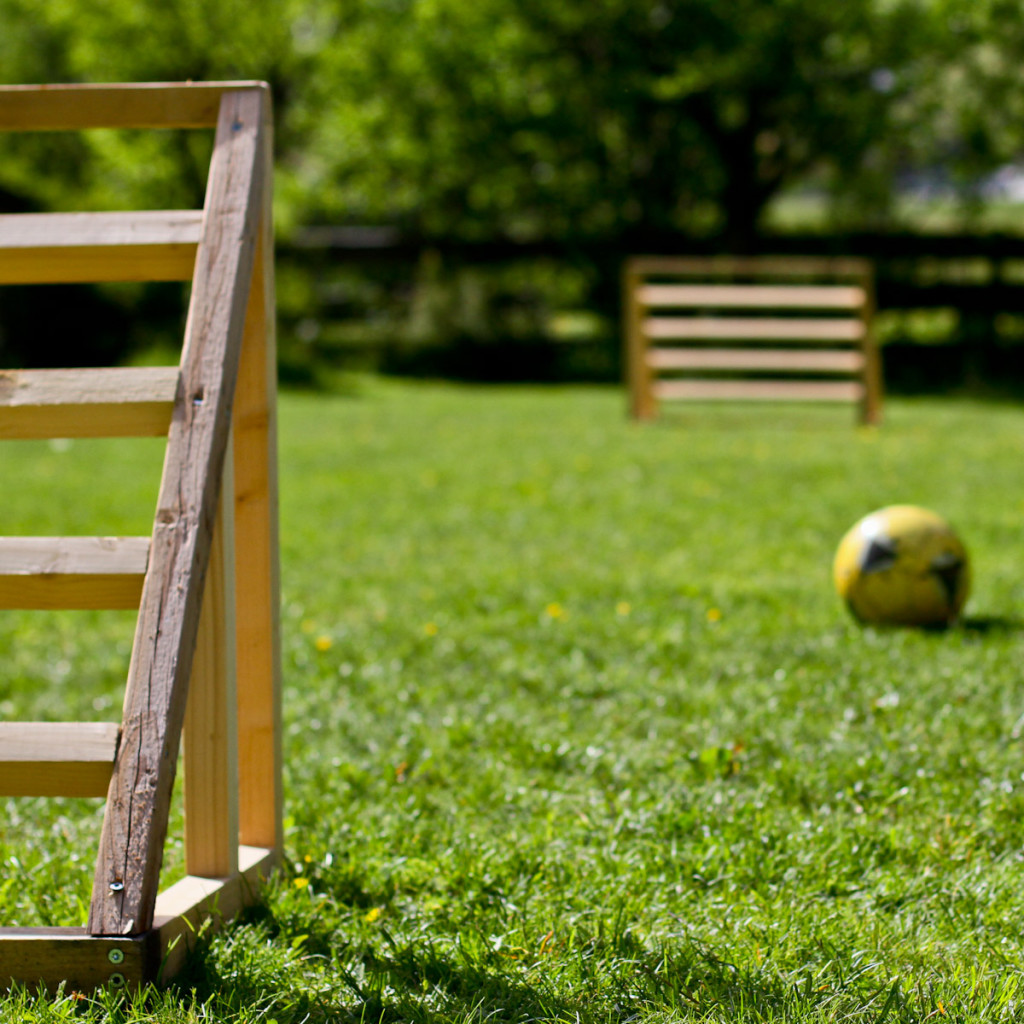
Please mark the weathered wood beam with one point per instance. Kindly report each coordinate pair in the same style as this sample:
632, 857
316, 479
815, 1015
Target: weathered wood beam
131, 844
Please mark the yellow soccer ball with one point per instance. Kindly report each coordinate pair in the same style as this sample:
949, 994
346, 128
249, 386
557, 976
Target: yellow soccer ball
902, 566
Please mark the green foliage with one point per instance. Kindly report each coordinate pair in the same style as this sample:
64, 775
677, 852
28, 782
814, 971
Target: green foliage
576, 728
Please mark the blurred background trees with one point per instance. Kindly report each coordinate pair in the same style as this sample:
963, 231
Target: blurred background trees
570, 132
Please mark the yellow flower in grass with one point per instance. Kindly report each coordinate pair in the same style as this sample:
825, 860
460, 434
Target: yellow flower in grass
371, 915
300, 882
623, 608
324, 643
714, 615
430, 629
555, 611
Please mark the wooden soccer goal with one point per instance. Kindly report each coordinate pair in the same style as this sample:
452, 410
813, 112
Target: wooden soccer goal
741, 329
206, 618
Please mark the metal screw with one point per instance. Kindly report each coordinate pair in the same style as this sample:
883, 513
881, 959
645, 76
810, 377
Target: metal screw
117, 979
116, 886
116, 956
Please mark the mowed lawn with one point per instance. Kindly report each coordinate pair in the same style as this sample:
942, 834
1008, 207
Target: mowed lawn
576, 728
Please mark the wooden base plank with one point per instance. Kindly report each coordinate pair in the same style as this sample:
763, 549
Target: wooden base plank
48, 248
72, 572
760, 390
182, 909
57, 758
43, 958
96, 402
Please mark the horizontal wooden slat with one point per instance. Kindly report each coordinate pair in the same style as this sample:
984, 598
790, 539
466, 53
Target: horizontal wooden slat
808, 360
134, 105
50, 248
56, 758
752, 296
768, 266
754, 328
761, 390
101, 402
72, 572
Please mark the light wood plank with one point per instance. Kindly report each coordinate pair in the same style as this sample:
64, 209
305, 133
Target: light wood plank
127, 105
681, 296
803, 360
131, 844
103, 402
56, 758
257, 571
760, 390
182, 909
210, 731
48, 248
753, 328
72, 572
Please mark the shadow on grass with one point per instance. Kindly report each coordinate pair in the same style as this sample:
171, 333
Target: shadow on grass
992, 624
612, 980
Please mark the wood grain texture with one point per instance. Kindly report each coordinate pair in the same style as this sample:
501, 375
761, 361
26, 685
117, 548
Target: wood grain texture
804, 360
839, 297
56, 758
753, 328
48, 248
256, 537
183, 908
43, 958
761, 390
72, 572
131, 844
104, 402
128, 105
210, 758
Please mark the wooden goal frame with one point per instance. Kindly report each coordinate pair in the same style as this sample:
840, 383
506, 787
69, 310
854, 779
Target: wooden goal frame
206, 617
767, 328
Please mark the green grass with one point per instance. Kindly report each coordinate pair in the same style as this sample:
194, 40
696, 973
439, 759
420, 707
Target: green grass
575, 726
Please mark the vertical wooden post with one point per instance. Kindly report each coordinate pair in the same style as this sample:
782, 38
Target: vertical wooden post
257, 572
210, 735
638, 373
871, 404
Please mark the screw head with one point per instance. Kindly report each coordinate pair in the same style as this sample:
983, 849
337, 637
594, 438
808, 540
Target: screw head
117, 979
116, 956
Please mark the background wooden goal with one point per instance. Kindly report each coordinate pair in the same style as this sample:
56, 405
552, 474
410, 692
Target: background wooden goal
768, 328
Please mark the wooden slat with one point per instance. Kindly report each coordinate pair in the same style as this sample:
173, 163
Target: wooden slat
751, 266
49, 248
72, 572
182, 909
257, 570
760, 390
134, 105
799, 360
104, 402
131, 844
680, 296
754, 328
210, 732
56, 758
